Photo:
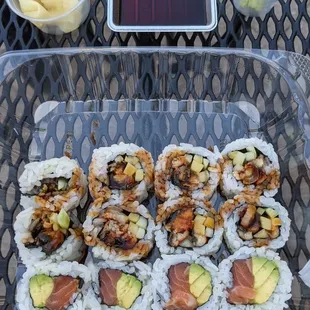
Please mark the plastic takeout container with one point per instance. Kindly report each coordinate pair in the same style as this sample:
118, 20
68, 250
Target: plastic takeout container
70, 101
162, 15
67, 22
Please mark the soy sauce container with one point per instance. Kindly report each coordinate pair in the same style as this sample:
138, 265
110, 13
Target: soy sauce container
162, 15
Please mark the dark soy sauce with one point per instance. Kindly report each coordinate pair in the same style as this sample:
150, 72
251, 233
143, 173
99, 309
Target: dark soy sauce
162, 12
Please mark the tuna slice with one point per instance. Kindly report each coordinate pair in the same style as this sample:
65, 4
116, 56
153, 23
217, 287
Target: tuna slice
64, 288
108, 279
181, 297
243, 279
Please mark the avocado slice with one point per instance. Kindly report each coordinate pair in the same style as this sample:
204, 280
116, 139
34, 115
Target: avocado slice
62, 184
264, 272
63, 219
41, 287
195, 271
205, 295
266, 290
258, 263
271, 212
200, 284
128, 288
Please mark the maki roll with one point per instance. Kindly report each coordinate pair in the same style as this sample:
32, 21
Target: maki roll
254, 279
120, 286
119, 232
186, 170
53, 287
185, 282
124, 172
255, 222
44, 235
185, 224
250, 166
54, 183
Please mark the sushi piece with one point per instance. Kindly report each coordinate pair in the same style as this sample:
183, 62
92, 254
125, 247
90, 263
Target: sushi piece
185, 282
44, 235
186, 170
119, 232
250, 166
254, 278
255, 222
124, 172
120, 286
185, 224
53, 287
57, 183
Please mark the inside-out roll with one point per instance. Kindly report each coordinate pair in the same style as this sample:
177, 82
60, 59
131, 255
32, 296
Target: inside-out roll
185, 282
255, 222
45, 235
124, 172
254, 279
250, 166
54, 183
186, 223
53, 286
186, 170
119, 232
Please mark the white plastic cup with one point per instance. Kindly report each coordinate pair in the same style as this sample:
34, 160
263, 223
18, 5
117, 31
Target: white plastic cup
65, 23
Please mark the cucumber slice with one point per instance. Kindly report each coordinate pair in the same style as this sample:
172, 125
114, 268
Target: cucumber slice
63, 219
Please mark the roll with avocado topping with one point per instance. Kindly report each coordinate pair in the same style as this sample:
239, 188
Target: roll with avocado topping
254, 279
185, 282
119, 232
184, 224
53, 287
121, 286
49, 236
57, 183
255, 222
186, 170
124, 172
250, 166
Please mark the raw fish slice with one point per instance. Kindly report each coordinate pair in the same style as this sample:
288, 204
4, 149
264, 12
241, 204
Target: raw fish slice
108, 279
182, 301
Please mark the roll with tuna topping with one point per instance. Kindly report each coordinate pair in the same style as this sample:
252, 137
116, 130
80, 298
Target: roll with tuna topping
255, 222
120, 286
185, 224
123, 172
250, 166
186, 170
57, 183
53, 287
254, 278
185, 282
119, 232
47, 236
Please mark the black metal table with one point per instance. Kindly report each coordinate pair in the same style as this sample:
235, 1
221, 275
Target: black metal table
285, 27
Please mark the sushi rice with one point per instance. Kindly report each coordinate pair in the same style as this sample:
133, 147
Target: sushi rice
231, 186
102, 251
229, 213
98, 173
54, 168
161, 284
202, 208
165, 189
138, 269
282, 292
72, 249
75, 270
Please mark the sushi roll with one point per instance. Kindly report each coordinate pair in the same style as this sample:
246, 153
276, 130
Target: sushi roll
186, 170
123, 172
185, 282
186, 223
255, 222
54, 183
119, 232
53, 287
120, 286
44, 235
250, 166
254, 279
